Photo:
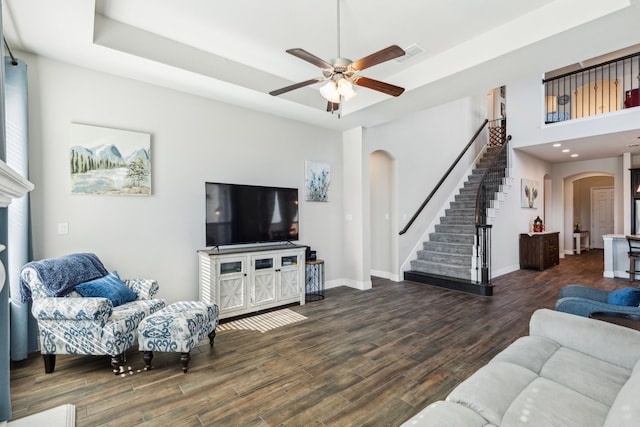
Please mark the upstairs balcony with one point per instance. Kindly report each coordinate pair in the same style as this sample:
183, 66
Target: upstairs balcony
601, 88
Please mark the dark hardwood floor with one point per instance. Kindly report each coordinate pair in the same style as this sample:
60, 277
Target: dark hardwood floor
372, 357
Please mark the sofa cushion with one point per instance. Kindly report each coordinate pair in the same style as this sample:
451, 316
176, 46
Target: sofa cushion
625, 411
544, 403
587, 375
491, 389
627, 296
529, 352
109, 286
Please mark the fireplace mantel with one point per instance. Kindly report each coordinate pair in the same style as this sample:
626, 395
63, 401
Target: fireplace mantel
12, 185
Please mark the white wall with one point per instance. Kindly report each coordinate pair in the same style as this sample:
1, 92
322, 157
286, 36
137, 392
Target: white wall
193, 140
355, 241
526, 108
511, 218
526, 117
196, 140
423, 147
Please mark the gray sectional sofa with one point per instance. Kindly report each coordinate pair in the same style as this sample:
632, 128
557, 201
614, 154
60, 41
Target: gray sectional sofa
569, 371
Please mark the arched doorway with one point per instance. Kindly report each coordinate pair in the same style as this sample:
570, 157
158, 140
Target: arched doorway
382, 216
591, 204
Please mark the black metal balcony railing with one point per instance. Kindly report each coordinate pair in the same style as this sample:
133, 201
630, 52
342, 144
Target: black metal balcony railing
598, 89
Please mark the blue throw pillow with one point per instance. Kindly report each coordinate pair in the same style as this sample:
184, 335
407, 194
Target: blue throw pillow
109, 286
627, 296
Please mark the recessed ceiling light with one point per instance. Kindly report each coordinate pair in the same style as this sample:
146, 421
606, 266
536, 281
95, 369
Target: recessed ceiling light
557, 144
566, 150
574, 155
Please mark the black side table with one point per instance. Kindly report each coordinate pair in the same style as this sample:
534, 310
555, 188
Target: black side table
314, 280
629, 320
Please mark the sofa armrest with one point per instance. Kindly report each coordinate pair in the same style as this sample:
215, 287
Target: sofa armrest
144, 288
52, 308
582, 307
581, 291
612, 343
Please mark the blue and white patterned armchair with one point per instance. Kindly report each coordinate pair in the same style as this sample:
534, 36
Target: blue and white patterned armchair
70, 323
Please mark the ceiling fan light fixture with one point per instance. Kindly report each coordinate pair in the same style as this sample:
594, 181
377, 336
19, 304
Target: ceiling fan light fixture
345, 88
330, 92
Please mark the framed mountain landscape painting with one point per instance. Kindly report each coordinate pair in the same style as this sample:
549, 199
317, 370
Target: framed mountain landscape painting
109, 161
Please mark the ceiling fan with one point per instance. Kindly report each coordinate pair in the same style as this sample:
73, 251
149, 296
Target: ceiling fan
341, 73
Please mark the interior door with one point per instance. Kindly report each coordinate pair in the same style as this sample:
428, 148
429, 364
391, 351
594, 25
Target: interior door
601, 215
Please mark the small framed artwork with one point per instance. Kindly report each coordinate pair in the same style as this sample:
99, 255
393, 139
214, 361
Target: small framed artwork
317, 181
503, 91
503, 110
109, 161
529, 193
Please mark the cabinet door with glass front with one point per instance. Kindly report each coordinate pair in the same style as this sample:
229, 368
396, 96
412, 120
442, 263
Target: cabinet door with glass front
232, 278
289, 277
263, 282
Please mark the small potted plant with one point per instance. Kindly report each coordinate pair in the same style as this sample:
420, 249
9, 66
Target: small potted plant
576, 227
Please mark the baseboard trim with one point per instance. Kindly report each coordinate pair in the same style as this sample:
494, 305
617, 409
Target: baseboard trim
360, 285
450, 283
505, 270
385, 275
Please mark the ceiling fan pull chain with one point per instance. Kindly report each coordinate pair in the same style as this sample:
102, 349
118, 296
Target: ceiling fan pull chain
338, 6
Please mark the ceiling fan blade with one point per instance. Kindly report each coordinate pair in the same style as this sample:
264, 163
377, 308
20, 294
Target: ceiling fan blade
383, 87
333, 106
378, 57
311, 58
295, 86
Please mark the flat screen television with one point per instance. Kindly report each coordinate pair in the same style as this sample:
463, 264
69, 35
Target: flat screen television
243, 214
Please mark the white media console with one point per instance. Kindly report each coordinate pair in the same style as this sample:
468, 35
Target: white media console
249, 279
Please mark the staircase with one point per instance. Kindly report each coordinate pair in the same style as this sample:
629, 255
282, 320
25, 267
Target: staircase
447, 258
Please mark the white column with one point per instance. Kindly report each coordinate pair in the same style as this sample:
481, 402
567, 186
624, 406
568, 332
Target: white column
356, 239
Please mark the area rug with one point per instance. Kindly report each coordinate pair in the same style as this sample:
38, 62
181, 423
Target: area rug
263, 322
60, 416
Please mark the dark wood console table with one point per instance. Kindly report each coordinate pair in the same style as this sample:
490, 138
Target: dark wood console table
539, 250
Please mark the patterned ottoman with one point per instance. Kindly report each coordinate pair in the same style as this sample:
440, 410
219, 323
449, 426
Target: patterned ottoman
177, 328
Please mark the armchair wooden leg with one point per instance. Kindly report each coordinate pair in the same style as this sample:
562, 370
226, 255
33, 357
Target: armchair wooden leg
49, 363
117, 363
211, 336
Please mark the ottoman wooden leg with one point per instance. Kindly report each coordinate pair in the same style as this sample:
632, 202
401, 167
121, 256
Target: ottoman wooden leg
185, 361
211, 336
147, 356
